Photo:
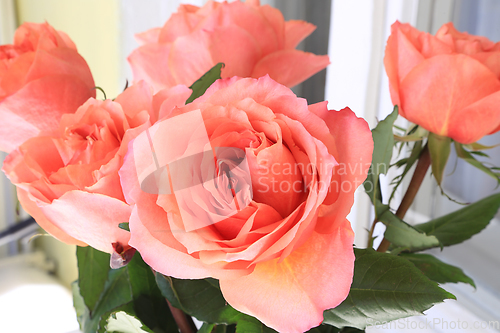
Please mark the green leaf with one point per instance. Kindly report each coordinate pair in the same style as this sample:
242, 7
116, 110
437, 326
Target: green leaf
93, 268
351, 330
203, 300
477, 146
116, 293
410, 161
416, 133
149, 304
324, 329
124, 226
469, 158
384, 288
399, 233
462, 224
436, 270
202, 84
82, 311
439, 149
206, 328
199, 298
252, 325
131, 289
383, 140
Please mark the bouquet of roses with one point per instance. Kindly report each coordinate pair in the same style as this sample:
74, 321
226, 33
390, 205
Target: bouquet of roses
208, 189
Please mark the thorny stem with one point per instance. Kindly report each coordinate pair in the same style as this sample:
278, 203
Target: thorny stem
184, 322
418, 176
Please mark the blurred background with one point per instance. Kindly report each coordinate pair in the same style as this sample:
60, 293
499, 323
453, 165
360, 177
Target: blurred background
36, 272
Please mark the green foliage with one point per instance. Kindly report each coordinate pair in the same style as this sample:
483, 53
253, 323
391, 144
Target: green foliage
382, 153
408, 163
124, 226
93, 268
469, 158
385, 287
400, 233
203, 300
436, 270
439, 148
202, 84
462, 224
131, 289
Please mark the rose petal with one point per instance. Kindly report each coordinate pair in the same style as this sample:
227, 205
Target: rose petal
434, 92
148, 36
276, 20
190, 57
251, 20
38, 107
466, 126
90, 217
400, 57
290, 67
136, 98
150, 63
296, 31
236, 48
15, 75
156, 244
490, 60
176, 26
30, 206
61, 61
353, 151
315, 277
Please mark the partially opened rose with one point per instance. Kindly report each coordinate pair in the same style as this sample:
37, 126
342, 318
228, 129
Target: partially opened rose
251, 40
69, 181
42, 77
253, 187
448, 83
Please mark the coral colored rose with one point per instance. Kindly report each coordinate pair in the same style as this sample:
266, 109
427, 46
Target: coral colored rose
269, 223
69, 181
42, 77
448, 83
251, 40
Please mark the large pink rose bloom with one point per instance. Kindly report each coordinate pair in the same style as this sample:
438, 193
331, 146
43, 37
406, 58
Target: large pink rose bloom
42, 77
448, 83
251, 40
269, 218
69, 181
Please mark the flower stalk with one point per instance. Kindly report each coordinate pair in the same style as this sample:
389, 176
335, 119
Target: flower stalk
418, 176
184, 322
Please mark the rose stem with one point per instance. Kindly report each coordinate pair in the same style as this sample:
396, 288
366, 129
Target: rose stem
370, 235
418, 176
183, 321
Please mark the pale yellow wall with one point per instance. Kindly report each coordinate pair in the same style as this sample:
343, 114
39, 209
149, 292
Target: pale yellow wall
94, 27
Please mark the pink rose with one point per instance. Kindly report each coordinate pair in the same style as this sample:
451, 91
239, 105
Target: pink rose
42, 77
69, 181
448, 83
251, 40
268, 218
